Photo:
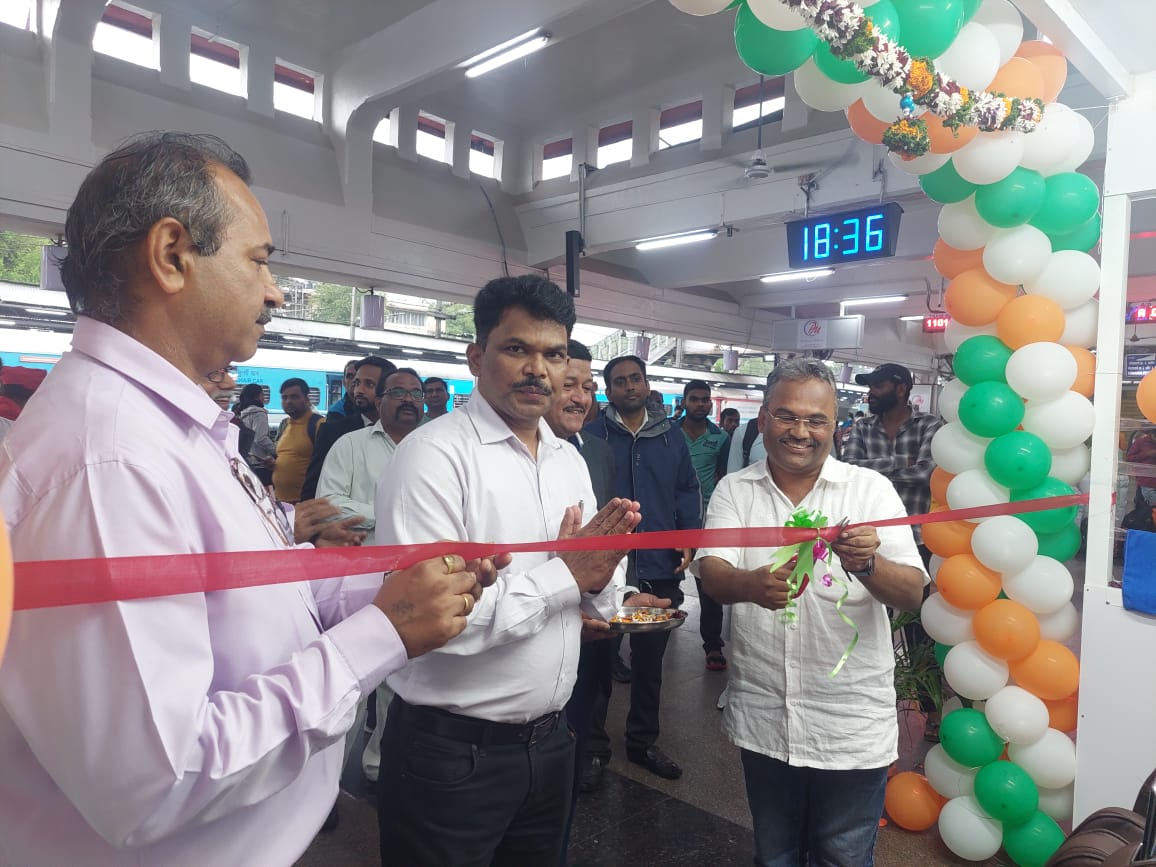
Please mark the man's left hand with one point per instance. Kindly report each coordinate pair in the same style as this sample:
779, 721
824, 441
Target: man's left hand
647, 600
855, 547
318, 518
596, 629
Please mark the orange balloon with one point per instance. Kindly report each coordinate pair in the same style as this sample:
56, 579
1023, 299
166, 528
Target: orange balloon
1064, 713
6, 587
1051, 64
1030, 319
939, 481
948, 538
1146, 396
1018, 77
976, 298
950, 262
943, 139
1050, 672
966, 583
866, 125
911, 802
1085, 383
1006, 629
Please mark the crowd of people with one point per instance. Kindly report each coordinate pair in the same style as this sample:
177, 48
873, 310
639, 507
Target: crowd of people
213, 727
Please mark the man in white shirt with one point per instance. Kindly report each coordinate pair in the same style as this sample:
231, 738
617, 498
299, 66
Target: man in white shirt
476, 763
815, 749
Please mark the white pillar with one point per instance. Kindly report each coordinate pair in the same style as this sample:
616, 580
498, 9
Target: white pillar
406, 130
718, 106
174, 29
257, 72
644, 127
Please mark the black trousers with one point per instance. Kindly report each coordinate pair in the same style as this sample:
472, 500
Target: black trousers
710, 620
447, 796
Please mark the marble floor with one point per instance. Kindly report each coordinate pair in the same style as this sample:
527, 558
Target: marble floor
640, 819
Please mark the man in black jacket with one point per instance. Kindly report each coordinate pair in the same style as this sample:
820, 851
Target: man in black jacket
370, 370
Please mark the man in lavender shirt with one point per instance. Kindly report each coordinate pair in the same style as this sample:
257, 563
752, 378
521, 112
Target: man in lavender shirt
205, 728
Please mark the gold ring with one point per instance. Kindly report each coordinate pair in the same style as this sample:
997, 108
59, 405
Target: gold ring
468, 601
451, 563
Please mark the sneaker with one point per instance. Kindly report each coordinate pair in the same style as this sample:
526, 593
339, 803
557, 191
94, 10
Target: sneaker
716, 661
592, 776
657, 762
621, 672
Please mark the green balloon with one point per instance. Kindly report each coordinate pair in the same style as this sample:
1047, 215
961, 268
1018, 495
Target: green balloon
968, 738
1048, 520
982, 358
991, 409
1070, 200
1006, 792
929, 26
768, 51
944, 185
1018, 459
1083, 239
1012, 201
1063, 545
885, 19
1032, 843
941, 653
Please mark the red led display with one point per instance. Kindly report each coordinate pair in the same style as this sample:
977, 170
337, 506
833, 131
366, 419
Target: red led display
935, 324
1145, 312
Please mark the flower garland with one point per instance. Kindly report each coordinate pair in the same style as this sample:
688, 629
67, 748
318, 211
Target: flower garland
848, 30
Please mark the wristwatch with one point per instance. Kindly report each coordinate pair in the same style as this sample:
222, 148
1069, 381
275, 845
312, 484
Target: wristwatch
866, 572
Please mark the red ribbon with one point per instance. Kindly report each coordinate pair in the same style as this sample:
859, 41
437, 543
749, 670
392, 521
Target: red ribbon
56, 583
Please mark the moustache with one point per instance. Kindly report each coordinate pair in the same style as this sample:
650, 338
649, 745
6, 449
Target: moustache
792, 441
266, 317
538, 385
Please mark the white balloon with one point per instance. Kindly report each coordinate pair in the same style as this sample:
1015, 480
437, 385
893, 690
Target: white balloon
1050, 760
1060, 625
1051, 140
973, 58
1003, 20
949, 397
1044, 587
1041, 371
1017, 255
944, 622
1071, 465
700, 7
972, 488
1081, 141
961, 226
968, 831
880, 101
956, 332
820, 92
1058, 803
1063, 423
1070, 278
1004, 544
956, 449
1080, 324
1016, 715
989, 157
973, 672
952, 704
929, 162
946, 775
777, 16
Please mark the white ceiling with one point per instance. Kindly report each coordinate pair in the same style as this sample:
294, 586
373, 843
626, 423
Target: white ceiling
1126, 26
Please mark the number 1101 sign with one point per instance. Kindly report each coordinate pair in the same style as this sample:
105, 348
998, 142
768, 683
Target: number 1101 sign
850, 236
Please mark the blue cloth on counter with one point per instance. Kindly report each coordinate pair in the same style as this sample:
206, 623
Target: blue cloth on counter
1140, 572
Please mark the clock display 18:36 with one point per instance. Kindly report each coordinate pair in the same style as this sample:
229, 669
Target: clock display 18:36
849, 236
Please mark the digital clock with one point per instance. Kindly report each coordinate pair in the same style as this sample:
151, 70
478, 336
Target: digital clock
850, 236
936, 323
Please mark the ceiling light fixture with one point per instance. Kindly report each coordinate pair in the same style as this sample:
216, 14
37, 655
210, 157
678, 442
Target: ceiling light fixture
368, 345
296, 338
861, 302
511, 49
46, 311
411, 351
788, 276
675, 240
911, 318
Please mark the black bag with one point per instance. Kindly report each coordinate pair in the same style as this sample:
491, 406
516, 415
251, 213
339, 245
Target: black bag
1140, 517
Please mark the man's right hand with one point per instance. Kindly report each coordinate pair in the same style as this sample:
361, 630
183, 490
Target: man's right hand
428, 604
592, 570
770, 589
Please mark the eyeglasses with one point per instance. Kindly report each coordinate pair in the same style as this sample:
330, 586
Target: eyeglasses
398, 393
270, 508
218, 376
812, 422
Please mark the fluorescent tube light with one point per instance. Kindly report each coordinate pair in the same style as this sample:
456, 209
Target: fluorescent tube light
881, 299
296, 338
6, 322
368, 345
411, 351
46, 311
500, 55
675, 240
788, 276
910, 318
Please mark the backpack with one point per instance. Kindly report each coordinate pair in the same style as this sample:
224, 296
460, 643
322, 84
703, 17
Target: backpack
749, 436
311, 428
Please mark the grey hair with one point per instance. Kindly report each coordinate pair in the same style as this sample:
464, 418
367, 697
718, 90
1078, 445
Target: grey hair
797, 370
149, 177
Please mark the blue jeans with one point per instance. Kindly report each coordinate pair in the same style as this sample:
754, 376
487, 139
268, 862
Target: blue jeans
811, 816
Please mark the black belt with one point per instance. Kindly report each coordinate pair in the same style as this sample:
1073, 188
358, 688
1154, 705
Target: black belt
477, 731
